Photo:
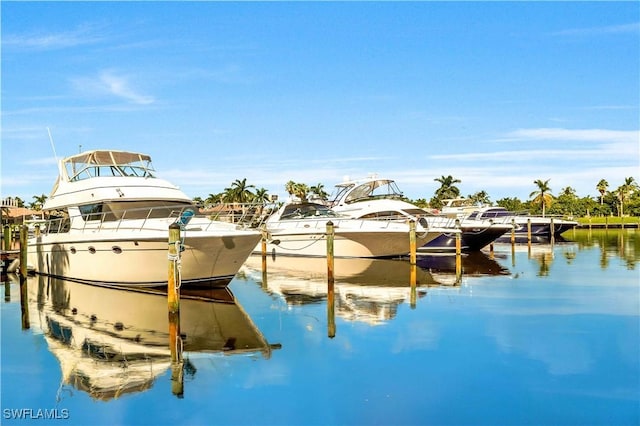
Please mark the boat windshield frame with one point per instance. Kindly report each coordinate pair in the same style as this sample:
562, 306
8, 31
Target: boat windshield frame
369, 190
107, 164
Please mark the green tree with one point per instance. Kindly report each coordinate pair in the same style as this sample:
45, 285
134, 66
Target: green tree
511, 204
299, 190
420, 202
213, 199
480, 197
602, 189
38, 202
238, 192
624, 191
542, 196
447, 189
319, 191
567, 203
261, 196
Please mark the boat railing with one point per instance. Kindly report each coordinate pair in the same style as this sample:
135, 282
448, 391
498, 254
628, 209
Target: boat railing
151, 218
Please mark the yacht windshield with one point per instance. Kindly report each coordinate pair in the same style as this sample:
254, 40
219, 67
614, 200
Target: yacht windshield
298, 211
380, 188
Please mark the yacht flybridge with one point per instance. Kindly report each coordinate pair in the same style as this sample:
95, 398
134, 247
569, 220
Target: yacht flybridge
109, 217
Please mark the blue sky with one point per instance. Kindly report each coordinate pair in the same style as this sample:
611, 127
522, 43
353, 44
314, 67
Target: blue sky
494, 94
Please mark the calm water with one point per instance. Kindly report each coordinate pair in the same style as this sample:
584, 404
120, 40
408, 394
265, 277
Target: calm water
549, 335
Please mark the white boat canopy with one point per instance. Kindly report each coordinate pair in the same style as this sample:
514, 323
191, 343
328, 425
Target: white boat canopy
91, 164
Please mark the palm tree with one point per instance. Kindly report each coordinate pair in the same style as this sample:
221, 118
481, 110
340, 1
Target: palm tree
239, 192
38, 202
261, 196
289, 187
543, 195
213, 199
602, 189
319, 191
480, 197
447, 187
625, 190
299, 190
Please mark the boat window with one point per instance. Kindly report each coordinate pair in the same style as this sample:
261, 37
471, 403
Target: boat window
417, 212
298, 211
96, 211
145, 209
112, 211
389, 215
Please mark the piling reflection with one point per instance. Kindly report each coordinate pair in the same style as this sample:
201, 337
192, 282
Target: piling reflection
111, 342
445, 269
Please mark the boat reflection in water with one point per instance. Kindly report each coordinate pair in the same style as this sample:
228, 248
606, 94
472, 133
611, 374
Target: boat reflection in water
110, 342
366, 290
474, 264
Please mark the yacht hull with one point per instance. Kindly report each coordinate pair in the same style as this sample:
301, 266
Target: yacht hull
472, 238
345, 245
142, 261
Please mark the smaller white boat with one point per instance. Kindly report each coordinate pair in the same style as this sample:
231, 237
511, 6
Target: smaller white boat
300, 229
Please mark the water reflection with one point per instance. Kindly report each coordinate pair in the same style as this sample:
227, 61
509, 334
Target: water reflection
474, 264
111, 342
365, 290
615, 243
624, 244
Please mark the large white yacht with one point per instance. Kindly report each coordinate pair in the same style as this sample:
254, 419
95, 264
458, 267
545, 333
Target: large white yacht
300, 229
109, 217
381, 199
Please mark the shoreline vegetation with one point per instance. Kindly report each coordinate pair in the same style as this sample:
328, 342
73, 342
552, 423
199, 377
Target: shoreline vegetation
608, 221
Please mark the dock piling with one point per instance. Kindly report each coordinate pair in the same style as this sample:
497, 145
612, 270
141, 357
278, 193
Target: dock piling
458, 251
331, 312
7, 237
24, 231
330, 261
173, 284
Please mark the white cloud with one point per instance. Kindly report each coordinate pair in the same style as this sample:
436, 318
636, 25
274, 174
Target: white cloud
587, 135
110, 83
81, 36
632, 28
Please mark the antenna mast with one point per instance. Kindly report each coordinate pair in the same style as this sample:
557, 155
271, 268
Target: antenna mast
52, 145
